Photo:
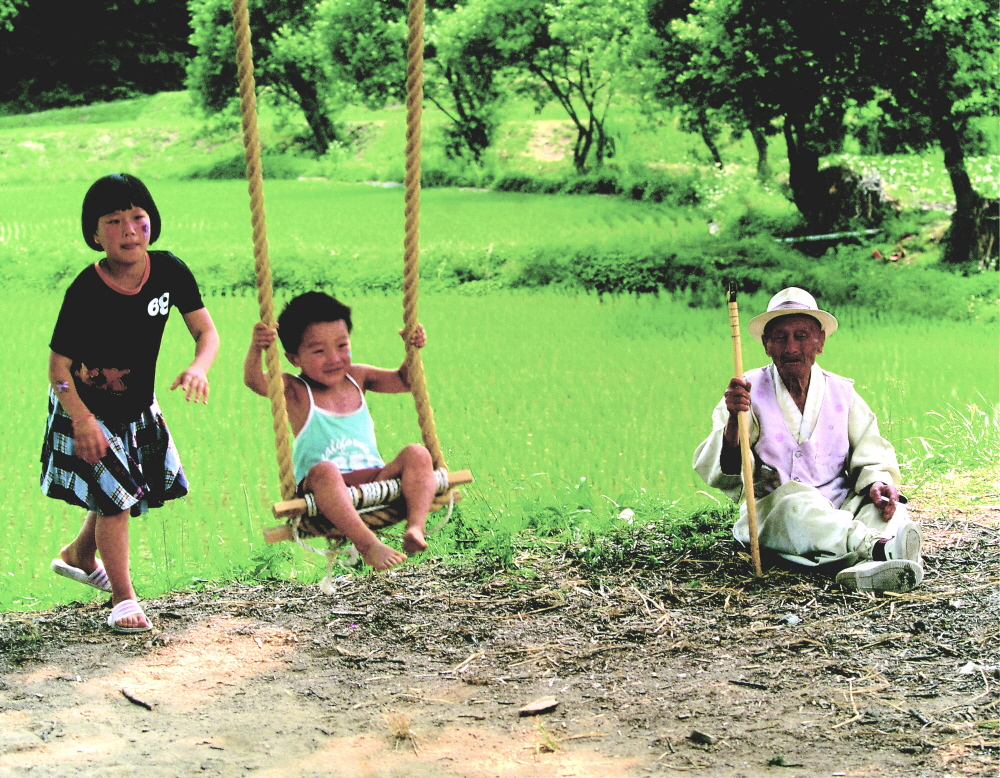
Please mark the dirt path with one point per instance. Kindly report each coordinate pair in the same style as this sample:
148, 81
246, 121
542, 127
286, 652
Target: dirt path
690, 669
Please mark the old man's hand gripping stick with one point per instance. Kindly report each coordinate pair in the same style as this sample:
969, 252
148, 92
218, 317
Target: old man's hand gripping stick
743, 421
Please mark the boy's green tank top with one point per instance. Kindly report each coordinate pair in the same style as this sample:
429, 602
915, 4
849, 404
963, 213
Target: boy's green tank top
346, 440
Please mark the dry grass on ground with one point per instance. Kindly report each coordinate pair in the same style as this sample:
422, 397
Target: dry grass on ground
694, 668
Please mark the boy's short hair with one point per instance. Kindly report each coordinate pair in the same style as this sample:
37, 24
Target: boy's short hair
117, 192
306, 309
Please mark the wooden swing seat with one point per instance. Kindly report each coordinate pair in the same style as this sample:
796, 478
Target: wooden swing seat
375, 513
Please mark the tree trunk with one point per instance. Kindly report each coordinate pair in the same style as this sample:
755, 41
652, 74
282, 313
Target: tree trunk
804, 178
581, 149
710, 142
323, 131
970, 232
604, 148
763, 166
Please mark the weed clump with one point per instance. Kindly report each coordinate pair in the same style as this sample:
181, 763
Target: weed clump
19, 639
649, 542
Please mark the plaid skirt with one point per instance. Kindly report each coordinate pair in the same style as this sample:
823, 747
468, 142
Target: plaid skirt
140, 471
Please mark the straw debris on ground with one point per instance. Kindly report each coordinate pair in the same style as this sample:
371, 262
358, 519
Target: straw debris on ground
692, 667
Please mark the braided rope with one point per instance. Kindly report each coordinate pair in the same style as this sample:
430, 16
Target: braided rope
262, 268
411, 241
376, 495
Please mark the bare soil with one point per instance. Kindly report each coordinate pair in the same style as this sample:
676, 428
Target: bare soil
551, 140
694, 668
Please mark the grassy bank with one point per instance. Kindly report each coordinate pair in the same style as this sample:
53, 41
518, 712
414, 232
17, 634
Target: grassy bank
348, 238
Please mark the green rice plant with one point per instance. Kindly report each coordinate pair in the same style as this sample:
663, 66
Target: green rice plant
958, 439
567, 409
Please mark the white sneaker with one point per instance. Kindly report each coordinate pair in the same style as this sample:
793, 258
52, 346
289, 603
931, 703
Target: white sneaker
906, 544
893, 575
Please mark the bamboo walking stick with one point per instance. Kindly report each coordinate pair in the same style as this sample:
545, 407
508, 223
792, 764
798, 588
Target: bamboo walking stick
743, 421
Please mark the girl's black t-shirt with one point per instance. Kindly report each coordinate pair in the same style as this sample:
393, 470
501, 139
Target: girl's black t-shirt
113, 339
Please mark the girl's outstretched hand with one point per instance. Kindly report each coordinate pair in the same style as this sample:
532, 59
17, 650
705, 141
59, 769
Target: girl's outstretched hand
89, 440
194, 383
418, 338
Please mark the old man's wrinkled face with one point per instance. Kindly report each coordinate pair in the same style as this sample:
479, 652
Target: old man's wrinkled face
793, 343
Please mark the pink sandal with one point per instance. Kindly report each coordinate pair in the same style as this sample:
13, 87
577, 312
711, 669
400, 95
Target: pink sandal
98, 579
124, 609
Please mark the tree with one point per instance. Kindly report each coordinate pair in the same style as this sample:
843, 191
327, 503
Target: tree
54, 53
366, 43
941, 73
463, 65
931, 64
686, 91
579, 53
758, 64
8, 10
290, 61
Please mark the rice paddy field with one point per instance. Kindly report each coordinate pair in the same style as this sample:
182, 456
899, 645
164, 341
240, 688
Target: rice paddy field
567, 407
350, 233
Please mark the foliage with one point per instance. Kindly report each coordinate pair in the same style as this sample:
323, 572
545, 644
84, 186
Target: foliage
575, 52
677, 190
668, 77
8, 11
366, 41
810, 65
958, 440
944, 74
770, 64
54, 53
291, 64
645, 539
464, 59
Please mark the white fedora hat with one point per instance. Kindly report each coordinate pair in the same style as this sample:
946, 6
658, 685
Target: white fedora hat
789, 302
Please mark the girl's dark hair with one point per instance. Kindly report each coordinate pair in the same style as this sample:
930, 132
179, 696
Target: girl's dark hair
117, 192
306, 309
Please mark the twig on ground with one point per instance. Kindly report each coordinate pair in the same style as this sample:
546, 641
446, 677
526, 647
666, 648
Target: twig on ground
136, 701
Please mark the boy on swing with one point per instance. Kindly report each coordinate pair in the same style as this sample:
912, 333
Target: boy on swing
334, 434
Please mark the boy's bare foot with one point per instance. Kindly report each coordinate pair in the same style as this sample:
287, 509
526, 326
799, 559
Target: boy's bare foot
380, 556
413, 540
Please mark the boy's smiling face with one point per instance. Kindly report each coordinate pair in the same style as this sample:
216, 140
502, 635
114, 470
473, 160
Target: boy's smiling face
124, 235
325, 352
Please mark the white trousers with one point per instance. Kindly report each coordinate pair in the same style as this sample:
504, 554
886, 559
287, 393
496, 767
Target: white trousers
801, 525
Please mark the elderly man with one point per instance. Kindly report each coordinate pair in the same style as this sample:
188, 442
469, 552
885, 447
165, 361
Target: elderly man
825, 480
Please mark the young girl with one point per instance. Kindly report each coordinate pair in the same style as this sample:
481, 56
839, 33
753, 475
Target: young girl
334, 433
107, 448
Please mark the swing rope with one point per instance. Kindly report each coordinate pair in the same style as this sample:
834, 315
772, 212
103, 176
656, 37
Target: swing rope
262, 265
411, 250
411, 240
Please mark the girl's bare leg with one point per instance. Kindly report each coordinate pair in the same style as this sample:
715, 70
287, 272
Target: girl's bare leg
81, 552
107, 535
112, 542
334, 501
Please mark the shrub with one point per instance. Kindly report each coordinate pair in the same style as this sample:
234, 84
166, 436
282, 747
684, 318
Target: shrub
273, 166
